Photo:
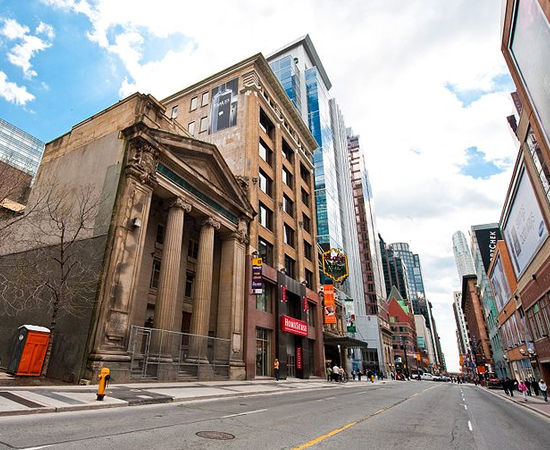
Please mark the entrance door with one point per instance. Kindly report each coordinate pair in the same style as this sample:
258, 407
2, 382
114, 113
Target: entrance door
291, 366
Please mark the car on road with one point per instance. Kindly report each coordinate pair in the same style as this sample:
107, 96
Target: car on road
492, 380
427, 376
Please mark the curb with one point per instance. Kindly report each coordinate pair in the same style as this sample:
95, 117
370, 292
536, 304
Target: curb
524, 404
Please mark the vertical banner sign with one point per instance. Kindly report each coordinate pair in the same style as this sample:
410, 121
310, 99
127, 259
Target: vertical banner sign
257, 283
283, 294
298, 357
330, 310
306, 304
350, 315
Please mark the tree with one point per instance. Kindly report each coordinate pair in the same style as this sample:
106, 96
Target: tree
55, 266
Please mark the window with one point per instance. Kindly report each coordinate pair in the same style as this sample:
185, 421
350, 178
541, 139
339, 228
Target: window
288, 205
204, 99
288, 153
266, 217
265, 249
193, 249
160, 234
193, 104
306, 223
267, 125
308, 251
288, 235
265, 152
189, 283
309, 279
204, 124
175, 111
266, 184
305, 173
287, 177
306, 198
155, 274
290, 265
312, 308
264, 301
191, 128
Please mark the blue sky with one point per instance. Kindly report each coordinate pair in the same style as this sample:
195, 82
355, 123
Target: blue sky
428, 75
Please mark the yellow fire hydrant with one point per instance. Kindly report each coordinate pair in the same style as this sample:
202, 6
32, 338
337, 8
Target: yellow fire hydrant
103, 379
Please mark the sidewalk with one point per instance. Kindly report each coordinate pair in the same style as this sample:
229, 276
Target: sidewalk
533, 403
19, 399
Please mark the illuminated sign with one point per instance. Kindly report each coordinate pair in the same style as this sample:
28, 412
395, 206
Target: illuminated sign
335, 264
294, 326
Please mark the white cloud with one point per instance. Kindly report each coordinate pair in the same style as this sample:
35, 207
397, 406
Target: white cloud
13, 93
21, 54
391, 63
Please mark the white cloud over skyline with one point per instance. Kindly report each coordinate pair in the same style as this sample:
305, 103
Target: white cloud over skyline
398, 71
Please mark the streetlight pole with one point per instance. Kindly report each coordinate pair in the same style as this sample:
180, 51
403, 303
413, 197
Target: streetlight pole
406, 365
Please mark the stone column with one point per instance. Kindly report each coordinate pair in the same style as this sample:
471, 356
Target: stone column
203, 289
231, 300
165, 307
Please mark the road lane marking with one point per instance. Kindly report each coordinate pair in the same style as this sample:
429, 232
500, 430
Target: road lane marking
325, 436
470, 426
244, 413
465, 407
36, 448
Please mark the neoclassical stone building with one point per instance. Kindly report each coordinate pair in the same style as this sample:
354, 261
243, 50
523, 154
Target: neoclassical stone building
247, 114
172, 232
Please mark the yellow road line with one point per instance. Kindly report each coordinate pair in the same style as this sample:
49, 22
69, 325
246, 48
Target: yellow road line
324, 436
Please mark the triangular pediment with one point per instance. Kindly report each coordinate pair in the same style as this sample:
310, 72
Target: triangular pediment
202, 165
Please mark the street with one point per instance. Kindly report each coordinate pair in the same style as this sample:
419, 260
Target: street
426, 415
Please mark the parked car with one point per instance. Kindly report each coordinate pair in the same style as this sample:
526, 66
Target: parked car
493, 382
427, 376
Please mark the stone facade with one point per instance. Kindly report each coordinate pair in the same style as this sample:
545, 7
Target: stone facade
244, 111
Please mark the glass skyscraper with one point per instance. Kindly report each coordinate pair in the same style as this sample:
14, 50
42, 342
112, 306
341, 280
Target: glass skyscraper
20, 149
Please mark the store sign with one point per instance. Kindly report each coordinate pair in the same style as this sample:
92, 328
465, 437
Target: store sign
294, 326
283, 294
306, 304
257, 283
330, 309
335, 264
298, 357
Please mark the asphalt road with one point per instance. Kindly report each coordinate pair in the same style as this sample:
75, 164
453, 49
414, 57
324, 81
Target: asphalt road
406, 415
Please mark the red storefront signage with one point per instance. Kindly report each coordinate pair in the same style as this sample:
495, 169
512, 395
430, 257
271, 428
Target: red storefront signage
283, 293
298, 357
294, 326
306, 305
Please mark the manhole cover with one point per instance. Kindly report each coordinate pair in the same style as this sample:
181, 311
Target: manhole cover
220, 435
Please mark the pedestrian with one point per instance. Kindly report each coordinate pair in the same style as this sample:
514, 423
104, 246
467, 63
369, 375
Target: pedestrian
336, 373
353, 373
504, 386
510, 386
342, 374
276, 366
535, 385
528, 386
523, 389
543, 389
328, 372
359, 374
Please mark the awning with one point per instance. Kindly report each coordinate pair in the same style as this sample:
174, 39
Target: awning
345, 341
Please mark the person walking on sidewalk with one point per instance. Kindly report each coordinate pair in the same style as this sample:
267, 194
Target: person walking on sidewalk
535, 385
543, 389
523, 389
276, 366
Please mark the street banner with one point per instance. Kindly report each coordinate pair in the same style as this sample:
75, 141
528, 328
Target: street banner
257, 283
350, 315
330, 309
283, 294
306, 304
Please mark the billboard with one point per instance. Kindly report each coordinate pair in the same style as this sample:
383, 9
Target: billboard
499, 283
350, 315
223, 107
524, 229
529, 46
487, 241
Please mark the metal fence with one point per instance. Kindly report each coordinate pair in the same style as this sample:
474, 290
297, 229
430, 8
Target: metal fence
167, 355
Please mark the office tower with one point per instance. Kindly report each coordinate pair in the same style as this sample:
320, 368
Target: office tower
369, 246
463, 339
483, 243
463, 256
395, 270
19, 149
302, 75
